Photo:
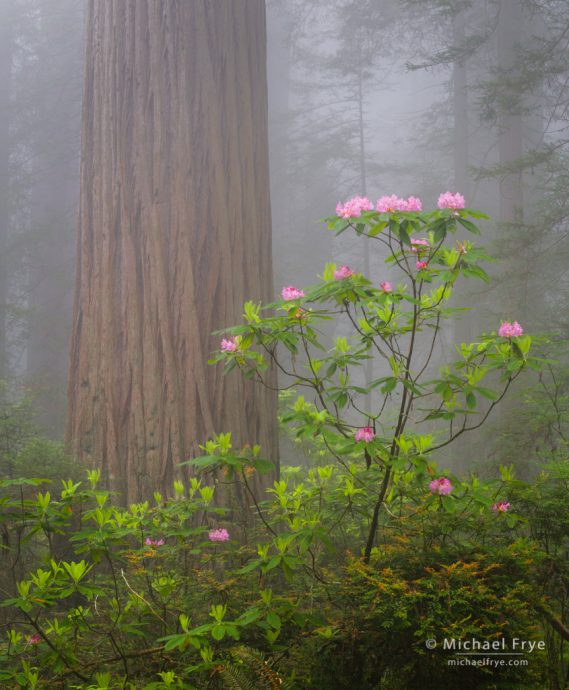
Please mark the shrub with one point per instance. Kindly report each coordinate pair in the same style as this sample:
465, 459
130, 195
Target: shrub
351, 565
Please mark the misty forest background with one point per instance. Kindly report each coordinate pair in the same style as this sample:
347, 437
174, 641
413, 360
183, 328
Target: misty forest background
158, 169
364, 97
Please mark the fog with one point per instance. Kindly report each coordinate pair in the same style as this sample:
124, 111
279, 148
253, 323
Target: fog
284, 327
406, 97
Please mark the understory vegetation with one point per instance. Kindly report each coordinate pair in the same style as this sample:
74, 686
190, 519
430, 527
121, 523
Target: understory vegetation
355, 566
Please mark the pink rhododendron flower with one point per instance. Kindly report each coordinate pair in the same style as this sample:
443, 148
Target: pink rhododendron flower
413, 204
353, 207
389, 204
228, 345
218, 535
501, 507
420, 265
450, 200
419, 245
34, 639
154, 542
386, 286
290, 292
343, 272
441, 486
510, 330
366, 434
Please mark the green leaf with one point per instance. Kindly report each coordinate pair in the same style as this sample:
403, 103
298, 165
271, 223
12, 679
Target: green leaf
249, 567
511, 521
439, 230
23, 482
449, 504
471, 271
404, 236
468, 225
174, 642
249, 616
203, 461
487, 393
377, 228
274, 620
389, 385
262, 465
275, 560
478, 214
218, 631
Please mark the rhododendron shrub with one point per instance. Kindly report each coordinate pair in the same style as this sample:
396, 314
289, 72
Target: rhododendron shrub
123, 589
398, 421
159, 595
340, 572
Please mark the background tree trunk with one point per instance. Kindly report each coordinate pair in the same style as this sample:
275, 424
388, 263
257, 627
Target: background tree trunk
464, 327
511, 135
5, 119
460, 109
54, 136
174, 234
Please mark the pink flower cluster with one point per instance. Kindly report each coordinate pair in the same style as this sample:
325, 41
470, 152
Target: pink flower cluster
392, 203
501, 507
290, 292
451, 200
419, 245
228, 345
343, 272
154, 542
34, 639
366, 434
414, 204
441, 486
218, 535
353, 207
421, 265
386, 286
510, 330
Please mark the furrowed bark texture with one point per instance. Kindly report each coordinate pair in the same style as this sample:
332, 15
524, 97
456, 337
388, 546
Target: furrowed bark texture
174, 234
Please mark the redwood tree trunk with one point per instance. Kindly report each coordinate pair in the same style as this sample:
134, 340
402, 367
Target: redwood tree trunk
174, 234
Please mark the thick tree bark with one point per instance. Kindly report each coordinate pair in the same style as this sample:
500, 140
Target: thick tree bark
174, 234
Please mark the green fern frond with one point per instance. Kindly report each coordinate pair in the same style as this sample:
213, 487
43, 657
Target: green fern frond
251, 671
235, 678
